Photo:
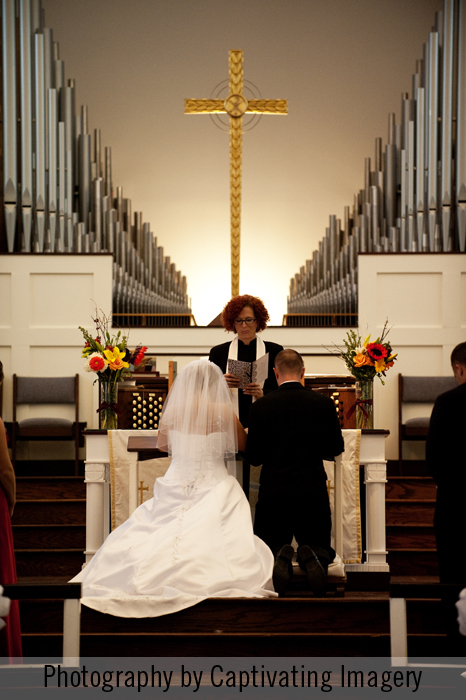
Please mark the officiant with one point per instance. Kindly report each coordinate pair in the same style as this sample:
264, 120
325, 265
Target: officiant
246, 316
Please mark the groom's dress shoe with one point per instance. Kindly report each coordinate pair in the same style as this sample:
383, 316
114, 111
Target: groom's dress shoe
283, 569
315, 572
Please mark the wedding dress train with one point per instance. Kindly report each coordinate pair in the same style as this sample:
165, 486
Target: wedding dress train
193, 540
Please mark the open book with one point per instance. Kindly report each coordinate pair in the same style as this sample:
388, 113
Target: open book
250, 372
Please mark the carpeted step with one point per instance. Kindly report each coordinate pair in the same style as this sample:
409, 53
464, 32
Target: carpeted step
49, 536
50, 511
412, 512
410, 487
50, 487
413, 562
51, 562
410, 537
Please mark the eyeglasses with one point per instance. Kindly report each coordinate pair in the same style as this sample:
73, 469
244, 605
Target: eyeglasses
247, 321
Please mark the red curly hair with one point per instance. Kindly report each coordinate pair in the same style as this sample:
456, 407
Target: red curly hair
235, 307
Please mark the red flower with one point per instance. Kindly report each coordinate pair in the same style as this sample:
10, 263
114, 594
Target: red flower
376, 351
97, 363
140, 356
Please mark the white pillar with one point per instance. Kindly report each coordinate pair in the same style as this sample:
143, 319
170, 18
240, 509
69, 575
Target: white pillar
97, 480
97, 520
375, 474
71, 632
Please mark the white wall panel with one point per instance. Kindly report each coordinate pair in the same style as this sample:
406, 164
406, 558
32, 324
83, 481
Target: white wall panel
462, 300
60, 300
5, 297
417, 297
424, 297
50, 296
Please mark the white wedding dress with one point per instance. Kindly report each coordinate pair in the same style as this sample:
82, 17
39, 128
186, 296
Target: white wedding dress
193, 540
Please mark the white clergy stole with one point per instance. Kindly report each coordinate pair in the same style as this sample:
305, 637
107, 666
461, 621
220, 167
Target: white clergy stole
233, 355
350, 498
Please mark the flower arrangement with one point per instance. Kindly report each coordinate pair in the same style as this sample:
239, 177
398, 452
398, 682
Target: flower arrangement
366, 360
110, 359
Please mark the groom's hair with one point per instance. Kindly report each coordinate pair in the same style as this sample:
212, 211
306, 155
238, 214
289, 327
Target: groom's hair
459, 355
289, 362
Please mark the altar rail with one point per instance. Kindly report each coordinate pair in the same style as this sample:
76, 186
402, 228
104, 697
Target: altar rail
147, 320
372, 458
319, 320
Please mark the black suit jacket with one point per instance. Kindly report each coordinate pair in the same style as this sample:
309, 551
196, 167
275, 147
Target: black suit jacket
446, 460
446, 441
219, 356
291, 431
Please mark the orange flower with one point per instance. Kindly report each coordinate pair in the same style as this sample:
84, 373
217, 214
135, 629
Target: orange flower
360, 360
97, 363
115, 358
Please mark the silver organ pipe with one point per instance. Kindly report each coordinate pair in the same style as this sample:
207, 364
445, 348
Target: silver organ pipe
67, 117
432, 136
414, 198
63, 184
52, 172
26, 121
39, 150
420, 167
48, 83
461, 129
10, 179
446, 129
62, 245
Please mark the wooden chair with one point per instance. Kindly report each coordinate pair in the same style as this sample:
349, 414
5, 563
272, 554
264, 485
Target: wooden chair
417, 390
46, 390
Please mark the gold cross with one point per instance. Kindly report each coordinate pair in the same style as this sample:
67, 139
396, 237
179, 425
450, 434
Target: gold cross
235, 106
329, 488
141, 489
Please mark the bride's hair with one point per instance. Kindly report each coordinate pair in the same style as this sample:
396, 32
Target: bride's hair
198, 405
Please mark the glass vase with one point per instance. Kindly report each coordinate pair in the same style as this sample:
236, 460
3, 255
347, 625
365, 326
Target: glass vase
108, 407
365, 404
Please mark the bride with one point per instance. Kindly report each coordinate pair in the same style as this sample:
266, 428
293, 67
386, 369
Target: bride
193, 540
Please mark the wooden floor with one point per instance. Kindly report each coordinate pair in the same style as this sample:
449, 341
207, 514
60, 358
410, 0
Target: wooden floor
49, 535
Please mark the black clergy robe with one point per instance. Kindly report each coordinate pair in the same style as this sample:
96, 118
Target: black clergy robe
246, 353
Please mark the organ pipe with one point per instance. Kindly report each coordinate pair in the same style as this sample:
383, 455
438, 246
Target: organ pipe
415, 198
64, 181
10, 179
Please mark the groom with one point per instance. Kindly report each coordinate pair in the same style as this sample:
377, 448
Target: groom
291, 431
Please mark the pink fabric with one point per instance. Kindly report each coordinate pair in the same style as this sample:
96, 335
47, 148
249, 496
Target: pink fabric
10, 636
